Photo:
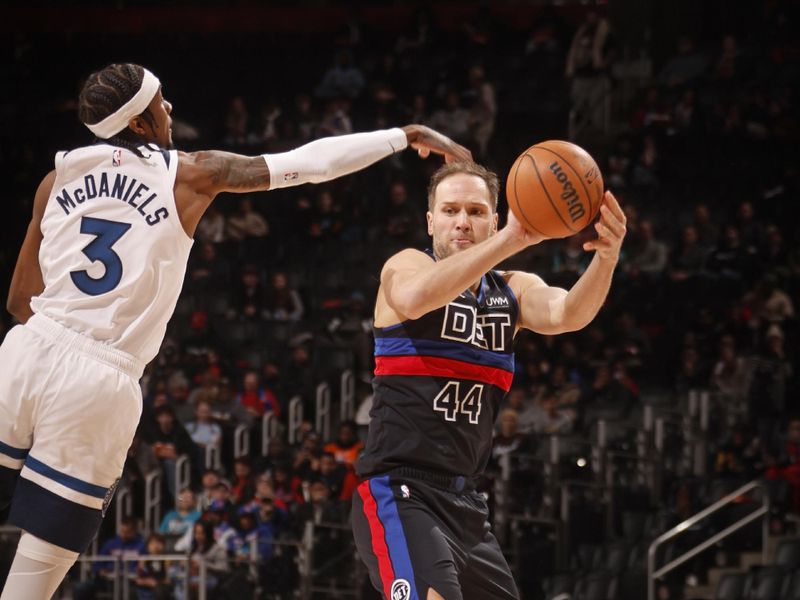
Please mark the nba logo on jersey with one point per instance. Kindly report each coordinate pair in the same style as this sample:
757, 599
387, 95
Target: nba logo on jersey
116, 158
401, 590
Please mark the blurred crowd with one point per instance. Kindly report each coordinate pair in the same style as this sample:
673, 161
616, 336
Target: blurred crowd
698, 145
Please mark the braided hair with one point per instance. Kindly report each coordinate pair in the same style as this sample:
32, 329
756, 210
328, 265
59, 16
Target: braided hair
104, 92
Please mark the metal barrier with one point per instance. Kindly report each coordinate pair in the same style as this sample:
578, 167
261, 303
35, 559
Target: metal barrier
760, 513
120, 578
295, 418
323, 416
270, 428
183, 475
213, 457
241, 441
124, 505
347, 396
152, 501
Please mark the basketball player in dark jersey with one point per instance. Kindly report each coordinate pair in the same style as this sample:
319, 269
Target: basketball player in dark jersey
444, 330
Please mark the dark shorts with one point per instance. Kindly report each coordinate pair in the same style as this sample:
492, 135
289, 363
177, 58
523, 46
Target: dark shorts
414, 535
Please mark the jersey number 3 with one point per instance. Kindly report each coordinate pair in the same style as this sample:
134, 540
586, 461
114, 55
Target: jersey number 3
451, 402
107, 233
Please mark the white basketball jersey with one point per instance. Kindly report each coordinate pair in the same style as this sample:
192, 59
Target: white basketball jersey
114, 253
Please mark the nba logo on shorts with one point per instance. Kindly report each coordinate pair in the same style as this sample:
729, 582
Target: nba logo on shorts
116, 158
401, 590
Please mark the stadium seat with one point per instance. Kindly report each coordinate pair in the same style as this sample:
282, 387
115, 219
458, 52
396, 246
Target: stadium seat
787, 556
764, 583
597, 585
730, 587
791, 586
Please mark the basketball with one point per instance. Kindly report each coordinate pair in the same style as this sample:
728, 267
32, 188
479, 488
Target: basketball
555, 189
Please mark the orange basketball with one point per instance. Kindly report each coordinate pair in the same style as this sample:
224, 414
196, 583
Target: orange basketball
555, 189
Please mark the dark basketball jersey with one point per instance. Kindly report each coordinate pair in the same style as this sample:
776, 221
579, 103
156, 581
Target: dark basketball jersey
438, 382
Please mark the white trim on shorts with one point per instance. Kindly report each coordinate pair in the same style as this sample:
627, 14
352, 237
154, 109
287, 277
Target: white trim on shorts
113, 357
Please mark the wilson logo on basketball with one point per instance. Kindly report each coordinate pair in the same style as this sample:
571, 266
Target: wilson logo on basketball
569, 194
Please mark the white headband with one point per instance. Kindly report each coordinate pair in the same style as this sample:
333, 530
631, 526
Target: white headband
118, 120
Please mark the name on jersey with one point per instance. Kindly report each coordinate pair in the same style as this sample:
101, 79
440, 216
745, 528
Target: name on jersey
488, 331
120, 187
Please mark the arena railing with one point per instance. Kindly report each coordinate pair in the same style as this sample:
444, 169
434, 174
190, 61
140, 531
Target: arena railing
323, 416
347, 395
762, 513
295, 418
152, 501
241, 441
183, 475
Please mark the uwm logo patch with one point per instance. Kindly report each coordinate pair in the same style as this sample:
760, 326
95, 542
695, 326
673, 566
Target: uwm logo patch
401, 590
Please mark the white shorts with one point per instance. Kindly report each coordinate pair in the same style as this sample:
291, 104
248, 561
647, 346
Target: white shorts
69, 407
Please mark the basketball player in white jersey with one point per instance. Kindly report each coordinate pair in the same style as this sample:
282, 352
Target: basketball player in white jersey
97, 279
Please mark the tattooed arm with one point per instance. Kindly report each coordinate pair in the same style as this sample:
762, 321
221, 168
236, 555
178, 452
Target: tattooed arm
203, 175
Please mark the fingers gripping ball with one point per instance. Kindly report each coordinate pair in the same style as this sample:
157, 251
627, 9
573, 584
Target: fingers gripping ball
555, 189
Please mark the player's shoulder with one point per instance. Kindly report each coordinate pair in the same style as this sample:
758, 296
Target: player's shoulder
408, 258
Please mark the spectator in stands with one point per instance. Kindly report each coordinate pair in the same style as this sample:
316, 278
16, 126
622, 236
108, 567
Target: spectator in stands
401, 218
549, 418
247, 224
347, 446
772, 372
207, 271
352, 329
179, 520
306, 459
340, 479
707, 229
343, 79
153, 581
588, 61
203, 430
606, 392
211, 228
257, 399
739, 455
522, 404
620, 162
335, 119
169, 441
249, 300
508, 439
214, 556
483, 110
243, 483
730, 374
208, 483
127, 544
650, 257
321, 507
784, 461
287, 485
283, 302
305, 117
688, 258
452, 119
237, 124
299, 377
685, 66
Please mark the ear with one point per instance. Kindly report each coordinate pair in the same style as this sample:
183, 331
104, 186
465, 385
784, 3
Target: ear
138, 125
429, 217
495, 218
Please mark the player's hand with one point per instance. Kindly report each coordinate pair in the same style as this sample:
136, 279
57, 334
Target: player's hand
610, 230
425, 140
518, 234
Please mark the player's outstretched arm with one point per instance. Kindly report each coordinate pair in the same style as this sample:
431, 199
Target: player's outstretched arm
27, 280
203, 175
551, 310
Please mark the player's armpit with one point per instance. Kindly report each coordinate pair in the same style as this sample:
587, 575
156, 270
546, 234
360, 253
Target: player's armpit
541, 306
212, 171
